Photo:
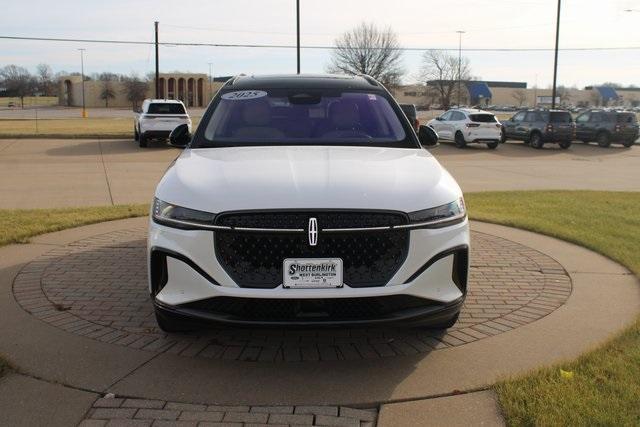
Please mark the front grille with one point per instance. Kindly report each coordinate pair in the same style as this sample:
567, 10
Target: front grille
254, 259
289, 310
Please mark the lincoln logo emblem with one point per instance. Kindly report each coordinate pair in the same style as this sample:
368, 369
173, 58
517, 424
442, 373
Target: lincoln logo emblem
313, 231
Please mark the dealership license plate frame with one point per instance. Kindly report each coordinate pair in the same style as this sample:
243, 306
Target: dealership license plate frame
312, 280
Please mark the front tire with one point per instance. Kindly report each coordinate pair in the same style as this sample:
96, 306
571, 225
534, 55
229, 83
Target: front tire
492, 145
535, 140
603, 140
565, 144
629, 143
136, 135
142, 140
459, 140
503, 136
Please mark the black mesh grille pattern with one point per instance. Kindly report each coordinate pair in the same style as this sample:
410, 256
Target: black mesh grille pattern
254, 260
283, 310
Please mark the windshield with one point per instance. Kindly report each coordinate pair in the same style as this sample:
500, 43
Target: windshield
165, 108
317, 117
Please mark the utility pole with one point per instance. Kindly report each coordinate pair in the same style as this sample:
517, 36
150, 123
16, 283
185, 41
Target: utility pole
460, 33
298, 32
155, 24
555, 61
84, 109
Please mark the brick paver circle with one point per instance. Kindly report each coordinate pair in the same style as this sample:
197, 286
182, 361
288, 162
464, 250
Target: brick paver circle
97, 288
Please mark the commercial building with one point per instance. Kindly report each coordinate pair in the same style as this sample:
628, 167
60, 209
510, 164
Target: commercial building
195, 90
483, 93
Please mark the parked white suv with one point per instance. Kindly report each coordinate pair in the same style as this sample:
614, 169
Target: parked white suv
307, 200
464, 126
157, 118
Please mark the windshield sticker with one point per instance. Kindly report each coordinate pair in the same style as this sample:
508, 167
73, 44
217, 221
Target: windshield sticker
372, 97
241, 95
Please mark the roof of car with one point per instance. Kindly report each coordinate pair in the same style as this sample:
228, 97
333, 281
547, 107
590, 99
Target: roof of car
303, 81
472, 111
165, 101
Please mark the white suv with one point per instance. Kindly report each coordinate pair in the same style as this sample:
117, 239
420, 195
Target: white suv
465, 125
157, 118
306, 200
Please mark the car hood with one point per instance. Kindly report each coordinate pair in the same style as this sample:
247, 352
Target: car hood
294, 177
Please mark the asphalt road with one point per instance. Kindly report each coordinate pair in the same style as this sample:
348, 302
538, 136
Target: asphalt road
41, 173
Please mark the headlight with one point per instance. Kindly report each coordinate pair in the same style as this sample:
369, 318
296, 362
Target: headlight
179, 217
441, 215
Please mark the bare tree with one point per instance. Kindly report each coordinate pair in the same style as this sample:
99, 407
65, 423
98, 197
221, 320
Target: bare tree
107, 92
135, 89
45, 79
595, 98
520, 96
106, 77
18, 81
440, 70
366, 49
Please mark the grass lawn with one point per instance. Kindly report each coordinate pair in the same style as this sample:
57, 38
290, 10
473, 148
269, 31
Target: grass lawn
605, 389
17, 226
112, 127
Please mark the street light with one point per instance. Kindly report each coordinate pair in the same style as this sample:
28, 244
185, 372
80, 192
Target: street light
298, 32
460, 33
84, 110
555, 60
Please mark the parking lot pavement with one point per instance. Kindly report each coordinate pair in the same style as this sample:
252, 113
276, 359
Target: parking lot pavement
46, 173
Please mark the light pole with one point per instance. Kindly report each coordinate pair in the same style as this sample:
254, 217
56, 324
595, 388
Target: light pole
460, 33
155, 26
555, 60
298, 32
84, 110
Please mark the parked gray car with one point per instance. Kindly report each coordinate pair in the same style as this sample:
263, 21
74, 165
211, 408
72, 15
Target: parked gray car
606, 127
537, 127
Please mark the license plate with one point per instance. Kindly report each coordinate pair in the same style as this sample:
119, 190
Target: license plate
312, 273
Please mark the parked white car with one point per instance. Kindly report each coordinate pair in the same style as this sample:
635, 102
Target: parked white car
465, 126
157, 118
307, 200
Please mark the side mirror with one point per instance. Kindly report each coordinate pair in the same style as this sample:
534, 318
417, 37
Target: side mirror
427, 136
180, 137
439, 118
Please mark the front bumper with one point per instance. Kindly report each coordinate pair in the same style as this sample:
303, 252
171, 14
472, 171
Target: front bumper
185, 273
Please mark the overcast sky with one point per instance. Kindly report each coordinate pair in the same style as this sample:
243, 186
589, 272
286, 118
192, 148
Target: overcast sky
418, 23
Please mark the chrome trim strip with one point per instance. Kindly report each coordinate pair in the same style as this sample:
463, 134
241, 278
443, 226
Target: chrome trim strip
197, 225
427, 224
342, 230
